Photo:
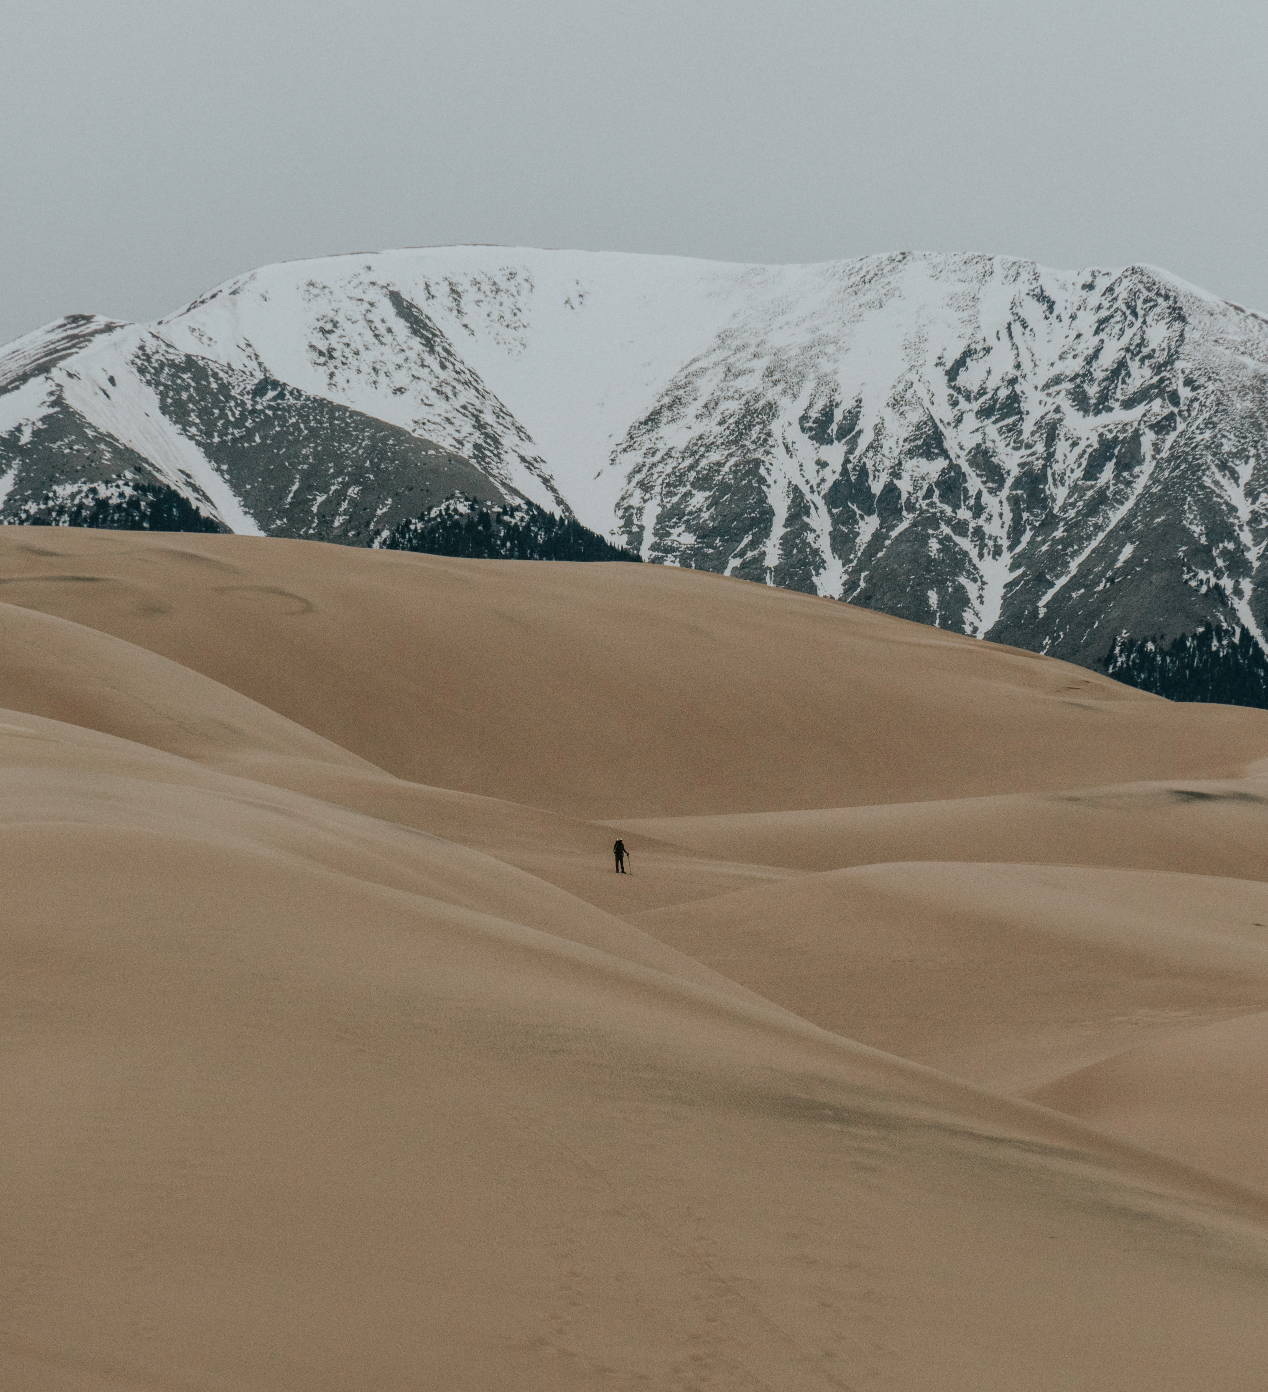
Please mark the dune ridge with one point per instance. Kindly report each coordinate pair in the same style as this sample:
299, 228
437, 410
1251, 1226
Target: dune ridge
553, 685
920, 1048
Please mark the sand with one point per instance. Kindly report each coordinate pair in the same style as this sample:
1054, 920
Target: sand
616, 691
1009, 975
923, 1047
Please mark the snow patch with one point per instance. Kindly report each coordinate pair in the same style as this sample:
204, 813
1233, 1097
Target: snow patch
132, 414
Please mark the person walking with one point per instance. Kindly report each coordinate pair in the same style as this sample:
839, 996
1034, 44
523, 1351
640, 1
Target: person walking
621, 855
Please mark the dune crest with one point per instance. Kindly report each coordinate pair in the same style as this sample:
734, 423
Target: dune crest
603, 691
334, 1053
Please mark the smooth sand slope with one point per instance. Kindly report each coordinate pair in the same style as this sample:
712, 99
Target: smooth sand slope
615, 690
280, 1113
1010, 975
1195, 1093
1202, 826
314, 1077
68, 672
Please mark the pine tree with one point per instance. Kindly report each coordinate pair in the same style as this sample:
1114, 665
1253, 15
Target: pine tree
514, 532
1223, 665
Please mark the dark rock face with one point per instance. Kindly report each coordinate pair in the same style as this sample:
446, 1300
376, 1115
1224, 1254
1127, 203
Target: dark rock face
300, 466
303, 466
64, 455
1082, 465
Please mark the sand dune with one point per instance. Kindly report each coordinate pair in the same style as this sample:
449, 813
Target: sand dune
570, 852
84, 677
615, 690
1196, 1093
61, 776
1006, 974
1203, 827
314, 1076
272, 1123
68, 672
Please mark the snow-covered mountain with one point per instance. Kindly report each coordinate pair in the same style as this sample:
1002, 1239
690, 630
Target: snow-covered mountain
1045, 458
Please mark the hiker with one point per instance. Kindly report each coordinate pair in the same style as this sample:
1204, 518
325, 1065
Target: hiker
620, 853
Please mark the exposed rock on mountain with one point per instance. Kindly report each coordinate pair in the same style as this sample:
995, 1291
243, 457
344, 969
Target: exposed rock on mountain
1069, 462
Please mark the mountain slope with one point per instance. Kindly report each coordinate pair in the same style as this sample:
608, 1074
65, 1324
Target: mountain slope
1062, 461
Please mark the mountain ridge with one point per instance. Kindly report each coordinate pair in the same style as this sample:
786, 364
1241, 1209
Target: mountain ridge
1062, 461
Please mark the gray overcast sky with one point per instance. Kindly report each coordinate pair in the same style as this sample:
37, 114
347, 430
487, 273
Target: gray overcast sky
151, 148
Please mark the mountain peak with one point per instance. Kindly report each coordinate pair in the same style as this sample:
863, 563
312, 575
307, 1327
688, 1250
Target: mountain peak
1057, 459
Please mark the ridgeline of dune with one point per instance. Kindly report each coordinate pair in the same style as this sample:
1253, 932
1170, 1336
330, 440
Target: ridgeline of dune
606, 691
918, 1050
